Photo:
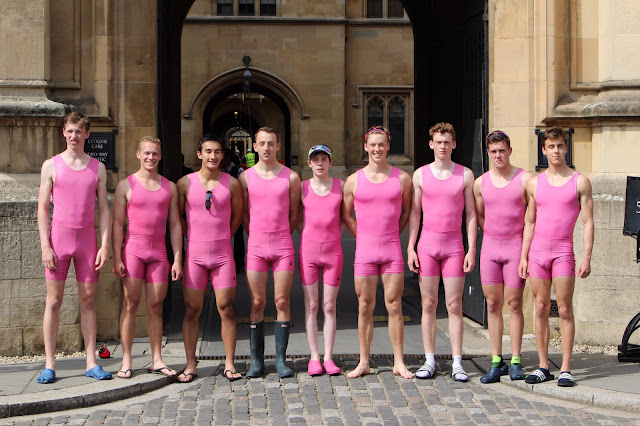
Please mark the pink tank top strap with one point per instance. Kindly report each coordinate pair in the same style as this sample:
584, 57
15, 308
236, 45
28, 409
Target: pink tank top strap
557, 208
148, 211
268, 201
321, 213
442, 200
208, 224
504, 208
74, 194
378, 206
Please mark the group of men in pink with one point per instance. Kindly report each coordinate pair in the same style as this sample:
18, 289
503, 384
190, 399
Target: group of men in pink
527, 226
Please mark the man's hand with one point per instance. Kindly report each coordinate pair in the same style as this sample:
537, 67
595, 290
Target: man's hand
412, 261
523, 269
176, 271
118, 268
101, 258
49, 259
584, 269
469, 262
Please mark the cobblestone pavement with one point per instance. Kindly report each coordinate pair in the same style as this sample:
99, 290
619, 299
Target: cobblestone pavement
377, 399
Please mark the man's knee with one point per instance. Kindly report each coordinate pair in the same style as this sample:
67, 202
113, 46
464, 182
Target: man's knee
515, 306
258, 304
565, 311
312, 305
394, 307
454, 307
192, 309
282, 304
329, 308
494, 306
131, 304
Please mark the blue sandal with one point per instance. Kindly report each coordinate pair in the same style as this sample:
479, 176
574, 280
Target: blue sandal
47, 376
98, 373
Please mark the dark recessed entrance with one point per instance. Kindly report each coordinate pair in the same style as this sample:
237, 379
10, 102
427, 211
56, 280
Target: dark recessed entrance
450, 72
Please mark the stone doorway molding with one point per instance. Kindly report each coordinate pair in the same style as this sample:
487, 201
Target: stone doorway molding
260, 79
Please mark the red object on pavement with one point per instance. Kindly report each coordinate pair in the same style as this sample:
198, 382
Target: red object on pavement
103, 352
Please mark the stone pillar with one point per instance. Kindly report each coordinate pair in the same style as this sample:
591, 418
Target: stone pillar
28, 119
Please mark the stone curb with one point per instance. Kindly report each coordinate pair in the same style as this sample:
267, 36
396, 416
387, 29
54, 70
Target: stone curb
582, 394
86, 395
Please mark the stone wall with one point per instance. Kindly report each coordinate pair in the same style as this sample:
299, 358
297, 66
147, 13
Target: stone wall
605, 302
23, 289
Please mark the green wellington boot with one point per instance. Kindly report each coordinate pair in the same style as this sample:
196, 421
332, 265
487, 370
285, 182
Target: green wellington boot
256, 341
282, 341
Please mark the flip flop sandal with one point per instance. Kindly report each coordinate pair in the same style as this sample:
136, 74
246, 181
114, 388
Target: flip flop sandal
565, 380
426, 372
160, 371
538, 376
47, 376
192, 376
459, 375
98, 373
232, 378
128, 370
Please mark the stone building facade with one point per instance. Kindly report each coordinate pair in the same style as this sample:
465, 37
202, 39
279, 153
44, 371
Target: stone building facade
321, 72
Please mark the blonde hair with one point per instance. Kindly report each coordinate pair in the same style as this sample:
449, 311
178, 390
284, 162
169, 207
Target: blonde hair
151, 139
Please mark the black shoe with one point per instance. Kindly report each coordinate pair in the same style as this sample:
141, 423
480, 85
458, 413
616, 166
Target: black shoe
256, 343
282, 341
494, 373
538, 376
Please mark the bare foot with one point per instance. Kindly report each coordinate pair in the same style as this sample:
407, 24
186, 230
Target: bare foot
361, 370
185, 377
401, 370
164, 370
125, 373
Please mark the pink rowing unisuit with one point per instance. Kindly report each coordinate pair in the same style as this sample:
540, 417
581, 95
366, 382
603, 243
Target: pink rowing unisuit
557, 209
270, 242
209, 255
73, 232
320, 245
378, 206
145, 251
503, 225
440, 248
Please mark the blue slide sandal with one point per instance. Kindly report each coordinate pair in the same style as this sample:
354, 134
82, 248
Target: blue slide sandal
47, 376
98, 373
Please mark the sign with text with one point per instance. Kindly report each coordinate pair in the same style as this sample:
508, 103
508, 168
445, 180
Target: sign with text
102, 147
632, 207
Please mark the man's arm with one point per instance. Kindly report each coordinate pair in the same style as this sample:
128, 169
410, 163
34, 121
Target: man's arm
117, 232
104, 218
175, 234
242, 178
477, 194
348, 192
183, 192
586, 211
471, 221
529, 228
237, 205
405, 183
300, 225
49, 258
294, 200
414, 220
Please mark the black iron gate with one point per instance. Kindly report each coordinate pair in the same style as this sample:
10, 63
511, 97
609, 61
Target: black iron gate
475, 122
